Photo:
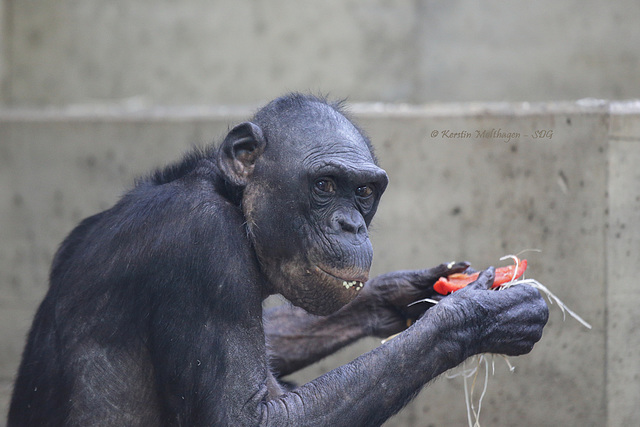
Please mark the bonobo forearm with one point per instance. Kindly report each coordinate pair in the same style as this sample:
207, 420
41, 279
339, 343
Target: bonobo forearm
296, 339
374, 386
377, 384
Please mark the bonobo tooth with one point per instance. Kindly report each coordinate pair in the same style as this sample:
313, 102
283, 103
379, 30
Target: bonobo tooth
350, 284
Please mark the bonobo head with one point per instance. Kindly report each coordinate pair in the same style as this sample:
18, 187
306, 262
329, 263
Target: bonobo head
310, 187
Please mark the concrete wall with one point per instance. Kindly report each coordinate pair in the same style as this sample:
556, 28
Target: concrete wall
575, 196
203, 51
623, 290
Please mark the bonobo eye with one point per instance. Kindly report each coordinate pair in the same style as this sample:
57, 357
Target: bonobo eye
365, 191
325, 185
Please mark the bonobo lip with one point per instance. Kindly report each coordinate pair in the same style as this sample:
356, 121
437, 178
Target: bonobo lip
356, 282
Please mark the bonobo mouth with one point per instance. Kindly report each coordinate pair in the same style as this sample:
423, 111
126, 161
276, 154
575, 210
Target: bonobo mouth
355, 281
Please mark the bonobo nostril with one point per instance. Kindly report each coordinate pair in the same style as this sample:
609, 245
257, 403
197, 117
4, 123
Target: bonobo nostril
350, 223
347, 226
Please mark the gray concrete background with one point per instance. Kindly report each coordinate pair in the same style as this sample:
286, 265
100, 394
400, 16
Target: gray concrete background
574, 196
82, 83
211, 51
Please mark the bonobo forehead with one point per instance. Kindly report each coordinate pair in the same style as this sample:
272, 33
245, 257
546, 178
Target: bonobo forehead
308, 129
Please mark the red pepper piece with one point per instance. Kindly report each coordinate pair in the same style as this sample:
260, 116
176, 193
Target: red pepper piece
446, 285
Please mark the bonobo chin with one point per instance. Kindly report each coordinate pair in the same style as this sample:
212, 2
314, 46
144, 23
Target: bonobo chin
154, 315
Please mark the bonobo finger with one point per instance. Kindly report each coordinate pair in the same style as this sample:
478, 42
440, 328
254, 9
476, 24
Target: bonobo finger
430, 276
470, 271
484, 280
422, 282
456, 267
519, 321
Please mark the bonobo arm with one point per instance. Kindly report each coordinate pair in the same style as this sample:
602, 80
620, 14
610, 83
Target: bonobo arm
379, 383
296, 339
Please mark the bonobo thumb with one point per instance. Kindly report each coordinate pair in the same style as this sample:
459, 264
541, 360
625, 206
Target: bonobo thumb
484, 280
443, 270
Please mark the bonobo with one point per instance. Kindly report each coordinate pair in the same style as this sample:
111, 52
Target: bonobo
154, 312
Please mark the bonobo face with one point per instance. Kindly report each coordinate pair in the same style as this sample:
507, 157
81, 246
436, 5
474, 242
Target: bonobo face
311, 197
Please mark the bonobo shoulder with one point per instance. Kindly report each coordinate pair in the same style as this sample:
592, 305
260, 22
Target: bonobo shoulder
191, 161
198, 170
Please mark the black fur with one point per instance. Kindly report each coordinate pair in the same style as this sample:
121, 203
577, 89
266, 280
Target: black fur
154, 311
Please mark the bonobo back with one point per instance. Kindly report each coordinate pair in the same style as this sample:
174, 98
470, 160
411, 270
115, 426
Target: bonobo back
154, 312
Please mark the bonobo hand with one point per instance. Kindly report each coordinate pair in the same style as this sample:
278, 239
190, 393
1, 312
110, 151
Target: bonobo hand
383, 302
508, 321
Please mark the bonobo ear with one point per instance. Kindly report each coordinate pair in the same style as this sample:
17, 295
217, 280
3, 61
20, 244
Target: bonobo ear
239, 152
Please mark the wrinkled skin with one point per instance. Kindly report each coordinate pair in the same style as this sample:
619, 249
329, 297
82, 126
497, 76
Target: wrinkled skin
154, 313
323, 187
